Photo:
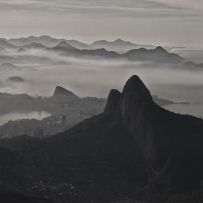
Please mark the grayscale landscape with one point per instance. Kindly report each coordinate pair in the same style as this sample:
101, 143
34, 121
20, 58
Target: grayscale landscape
101, 101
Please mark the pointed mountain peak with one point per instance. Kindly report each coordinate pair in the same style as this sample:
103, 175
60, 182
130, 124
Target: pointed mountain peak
135, 96
160, 49
62, 92
113, 101
135, 101
135, 86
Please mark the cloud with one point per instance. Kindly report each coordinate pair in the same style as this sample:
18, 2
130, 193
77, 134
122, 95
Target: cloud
128, 8
174, 22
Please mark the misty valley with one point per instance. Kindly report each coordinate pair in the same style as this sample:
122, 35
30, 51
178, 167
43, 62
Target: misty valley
104, 122
33, 68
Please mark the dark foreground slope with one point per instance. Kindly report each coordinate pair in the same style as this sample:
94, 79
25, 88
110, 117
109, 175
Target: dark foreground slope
134, 150
98, 160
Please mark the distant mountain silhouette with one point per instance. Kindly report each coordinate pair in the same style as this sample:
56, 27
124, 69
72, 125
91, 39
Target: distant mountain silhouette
64, 44
44, 40
62, 92
86, 53
78, 45
117, 49
158, 55
118, 45
135, 150
34, 45
16, 79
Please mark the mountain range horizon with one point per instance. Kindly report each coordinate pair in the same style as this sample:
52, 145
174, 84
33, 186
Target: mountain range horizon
117, 45
47, 40
66, 38
101, 101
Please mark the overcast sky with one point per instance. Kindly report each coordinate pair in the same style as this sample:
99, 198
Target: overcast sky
164, 22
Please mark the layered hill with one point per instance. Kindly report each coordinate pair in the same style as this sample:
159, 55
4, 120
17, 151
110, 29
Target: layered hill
117, 49
135, 150
118, 45
46, 41
157, 55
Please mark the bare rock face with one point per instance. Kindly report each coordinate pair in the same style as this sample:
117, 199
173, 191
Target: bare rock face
135, 107
137, 111
170, 142
135, 102
113, 101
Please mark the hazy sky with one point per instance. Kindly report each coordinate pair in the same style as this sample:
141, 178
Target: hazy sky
165, 22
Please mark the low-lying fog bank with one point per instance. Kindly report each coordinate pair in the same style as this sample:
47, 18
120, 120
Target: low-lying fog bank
41, 71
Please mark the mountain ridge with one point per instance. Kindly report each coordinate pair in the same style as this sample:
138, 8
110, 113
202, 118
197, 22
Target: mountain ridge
158, 55
74, 48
